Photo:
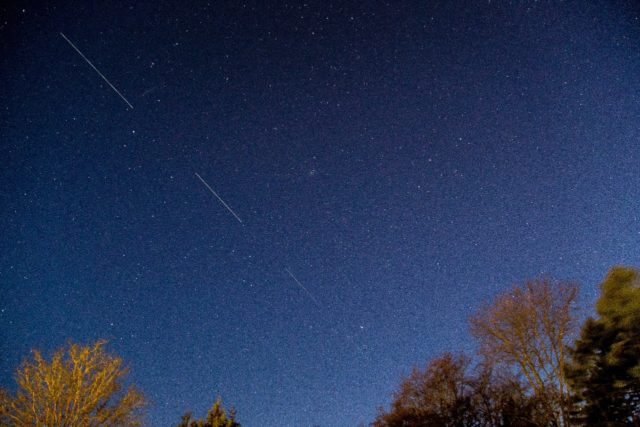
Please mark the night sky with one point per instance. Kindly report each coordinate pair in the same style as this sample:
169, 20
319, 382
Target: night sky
392, 165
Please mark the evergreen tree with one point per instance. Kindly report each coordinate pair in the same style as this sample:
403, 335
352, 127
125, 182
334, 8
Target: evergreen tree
216, 417
605, 369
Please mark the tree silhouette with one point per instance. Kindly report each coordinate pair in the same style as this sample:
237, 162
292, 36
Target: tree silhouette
449, 393
216, 417
438, 396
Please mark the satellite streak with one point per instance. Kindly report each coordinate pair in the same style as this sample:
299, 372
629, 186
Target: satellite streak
219, 198
97, 71
302, 286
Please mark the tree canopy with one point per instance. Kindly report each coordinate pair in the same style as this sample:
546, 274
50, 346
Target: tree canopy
80, 386
528, 328
449, 392
216, 417
605, 369
526, 372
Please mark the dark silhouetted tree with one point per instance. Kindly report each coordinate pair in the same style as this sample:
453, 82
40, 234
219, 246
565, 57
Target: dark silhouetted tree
605, 369
501, 398
438, 396
448, 393
216, 417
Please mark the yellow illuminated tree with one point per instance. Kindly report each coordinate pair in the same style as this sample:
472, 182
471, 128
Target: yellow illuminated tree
528, 328
80, 386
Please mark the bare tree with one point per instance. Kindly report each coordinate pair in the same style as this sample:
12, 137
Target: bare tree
438, 396
527, 328
81, 386
450, 392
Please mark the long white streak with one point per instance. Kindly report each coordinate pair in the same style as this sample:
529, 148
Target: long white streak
219, 198
302, 286
97, 71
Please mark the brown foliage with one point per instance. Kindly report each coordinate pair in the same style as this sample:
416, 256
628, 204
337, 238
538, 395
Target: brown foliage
449, 393
437, 396
527, 328
81, 386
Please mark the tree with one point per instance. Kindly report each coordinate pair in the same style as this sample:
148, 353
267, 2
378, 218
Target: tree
605, 369
449, 393
438, 396
216, 417
501, 399
526, 328
82, 385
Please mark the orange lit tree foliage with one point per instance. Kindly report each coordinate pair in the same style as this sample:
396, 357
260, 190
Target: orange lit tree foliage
80, 386
528, 328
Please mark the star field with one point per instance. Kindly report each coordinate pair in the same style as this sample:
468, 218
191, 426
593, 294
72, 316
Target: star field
385, 166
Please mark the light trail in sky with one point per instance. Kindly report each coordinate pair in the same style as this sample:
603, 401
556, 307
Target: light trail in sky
303, 287
219, 198
97, 71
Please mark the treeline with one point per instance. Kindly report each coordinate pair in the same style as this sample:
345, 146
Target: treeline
84, 386
535, 366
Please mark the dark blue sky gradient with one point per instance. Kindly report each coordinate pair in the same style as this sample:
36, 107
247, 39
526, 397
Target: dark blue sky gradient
405, 160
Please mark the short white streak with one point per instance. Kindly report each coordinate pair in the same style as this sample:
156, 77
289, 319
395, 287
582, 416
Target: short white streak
219, 198
302, 286
97, 71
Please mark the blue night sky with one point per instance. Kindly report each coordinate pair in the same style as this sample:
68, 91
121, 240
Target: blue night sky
405, 161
